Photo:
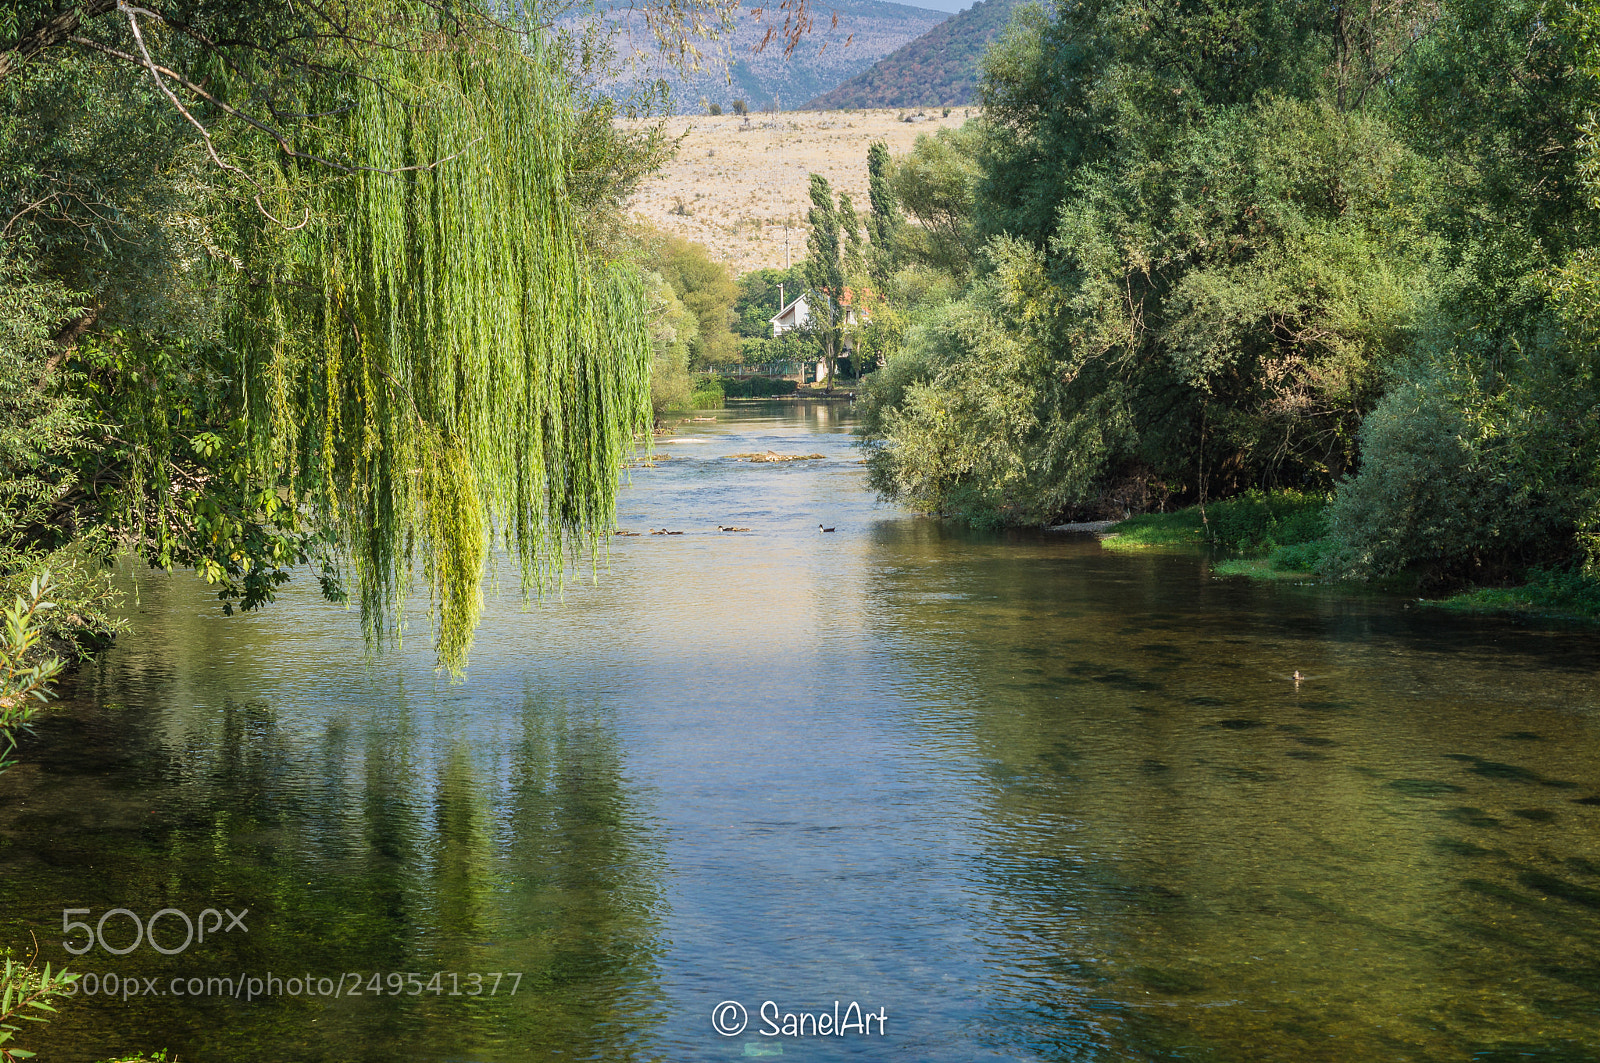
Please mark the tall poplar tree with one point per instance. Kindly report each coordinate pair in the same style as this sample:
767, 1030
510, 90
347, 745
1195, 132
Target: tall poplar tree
825, 272
884, 219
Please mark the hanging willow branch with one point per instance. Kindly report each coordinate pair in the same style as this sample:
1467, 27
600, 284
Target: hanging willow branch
437, 359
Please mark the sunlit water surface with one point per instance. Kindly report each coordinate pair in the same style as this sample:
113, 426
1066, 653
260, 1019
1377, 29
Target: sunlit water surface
1031, 800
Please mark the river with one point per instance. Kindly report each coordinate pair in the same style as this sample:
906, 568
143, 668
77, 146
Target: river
1014, 796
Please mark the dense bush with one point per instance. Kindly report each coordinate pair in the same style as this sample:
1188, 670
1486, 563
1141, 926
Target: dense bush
1262, 521
757, 387
1459, 484
707, 395
1299, 557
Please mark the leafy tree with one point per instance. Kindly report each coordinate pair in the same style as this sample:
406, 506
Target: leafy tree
825, 273
852, 250
369, 251
673, 331
1213, 248
706, 287
884, 220
936, 183
26, 675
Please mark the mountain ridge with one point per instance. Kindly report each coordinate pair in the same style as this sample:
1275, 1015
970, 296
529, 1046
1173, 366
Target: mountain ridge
937, 69
836, 49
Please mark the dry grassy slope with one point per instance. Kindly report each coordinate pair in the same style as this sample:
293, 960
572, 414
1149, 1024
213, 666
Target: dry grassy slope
739, 185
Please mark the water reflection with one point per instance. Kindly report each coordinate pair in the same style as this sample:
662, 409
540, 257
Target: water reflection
1035, 800
387, 829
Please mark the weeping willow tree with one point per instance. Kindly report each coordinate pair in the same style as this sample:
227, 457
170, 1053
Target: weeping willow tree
432, 358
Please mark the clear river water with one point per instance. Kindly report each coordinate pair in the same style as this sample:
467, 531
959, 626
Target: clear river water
1013, 796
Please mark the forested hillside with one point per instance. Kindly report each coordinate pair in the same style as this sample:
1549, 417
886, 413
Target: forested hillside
1266, 246
940, 68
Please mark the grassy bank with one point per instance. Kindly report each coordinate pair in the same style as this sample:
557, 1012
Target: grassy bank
1285, 530
1549, 593
1283, 536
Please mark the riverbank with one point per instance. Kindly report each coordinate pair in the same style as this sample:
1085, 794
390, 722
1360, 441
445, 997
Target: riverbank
1282, 537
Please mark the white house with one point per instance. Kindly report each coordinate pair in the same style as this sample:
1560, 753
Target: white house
796, 314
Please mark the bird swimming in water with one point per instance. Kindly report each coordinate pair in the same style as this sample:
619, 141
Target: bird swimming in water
1297, 676
820, 528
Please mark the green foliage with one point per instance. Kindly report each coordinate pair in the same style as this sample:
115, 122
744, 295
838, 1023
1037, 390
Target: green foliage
1299, 557
707, 395
758, 387
1198, 245
964, 420
25, 676
706, 288
1253, 523
936, 184
884, 221
673, 330
1555, 592
1260, 521
1459, 482
26, 993
374, 336
435, 357
792, 346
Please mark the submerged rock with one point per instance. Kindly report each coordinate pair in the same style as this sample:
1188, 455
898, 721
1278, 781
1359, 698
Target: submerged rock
774, 456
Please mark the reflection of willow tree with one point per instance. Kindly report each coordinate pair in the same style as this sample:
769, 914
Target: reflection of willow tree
386, 846
582, 922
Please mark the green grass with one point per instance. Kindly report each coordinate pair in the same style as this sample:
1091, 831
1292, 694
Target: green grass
1284, 524
1259, 568
1157, 530
1552, 593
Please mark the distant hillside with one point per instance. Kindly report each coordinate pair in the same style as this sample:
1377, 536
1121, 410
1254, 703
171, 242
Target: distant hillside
867, 30
940, 68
